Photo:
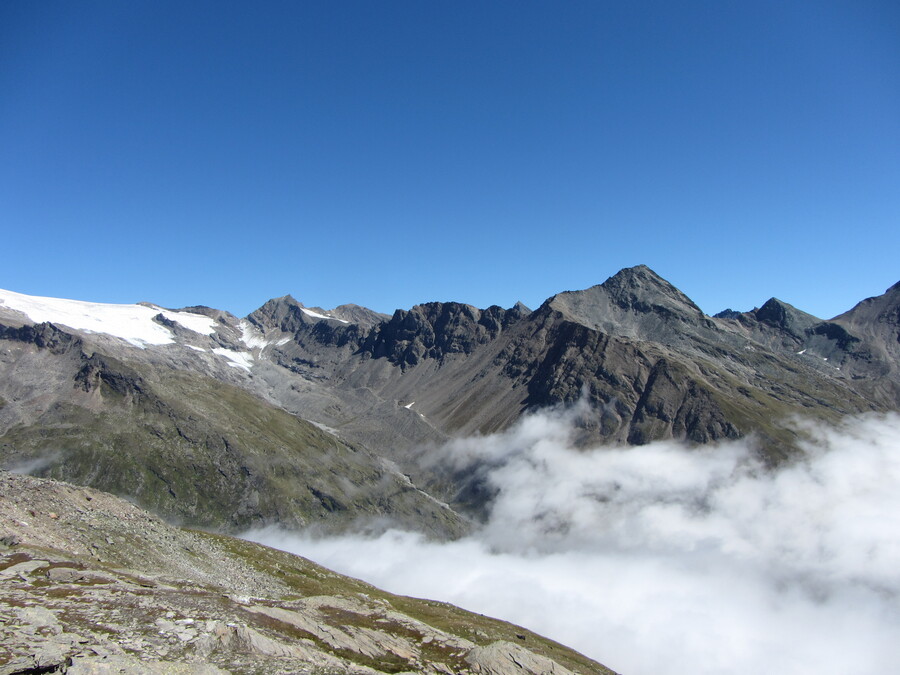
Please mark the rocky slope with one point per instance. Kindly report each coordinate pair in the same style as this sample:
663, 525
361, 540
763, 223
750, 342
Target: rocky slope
89, 583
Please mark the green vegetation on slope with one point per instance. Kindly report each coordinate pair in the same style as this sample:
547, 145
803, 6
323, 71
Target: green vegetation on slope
208, 454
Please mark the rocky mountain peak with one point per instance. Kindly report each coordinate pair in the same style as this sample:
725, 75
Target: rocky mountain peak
287, 299
776, 324
781, 315
881, 309
521, 309
289, 315
773, 312
284, 301
635, 303
878, 320
640, 288
284, 313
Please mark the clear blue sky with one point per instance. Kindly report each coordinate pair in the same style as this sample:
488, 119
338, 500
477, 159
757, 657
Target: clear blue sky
391, 153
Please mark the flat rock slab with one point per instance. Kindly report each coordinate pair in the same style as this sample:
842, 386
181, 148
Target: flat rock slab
506, 658
23, 568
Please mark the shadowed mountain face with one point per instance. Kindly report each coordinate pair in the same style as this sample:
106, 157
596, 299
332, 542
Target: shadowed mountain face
310, 416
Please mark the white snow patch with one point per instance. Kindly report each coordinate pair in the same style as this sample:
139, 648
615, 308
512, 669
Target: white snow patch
409, 405
132, 323
251, 335
236, 359
255, 339
316, 315
802, 351
196, 322
196, 349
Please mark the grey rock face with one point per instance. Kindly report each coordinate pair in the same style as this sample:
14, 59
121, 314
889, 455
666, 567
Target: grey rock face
784, 320
871, 345
506, 658
42, 335
877, 322
435, 331
672, 405
635, 303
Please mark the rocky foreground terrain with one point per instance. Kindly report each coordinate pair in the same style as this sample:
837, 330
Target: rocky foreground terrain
89, 583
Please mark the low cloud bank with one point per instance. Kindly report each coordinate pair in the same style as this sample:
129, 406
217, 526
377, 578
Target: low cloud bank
664, 559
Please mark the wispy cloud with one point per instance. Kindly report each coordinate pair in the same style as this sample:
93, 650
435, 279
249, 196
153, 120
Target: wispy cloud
32, 466
667, 559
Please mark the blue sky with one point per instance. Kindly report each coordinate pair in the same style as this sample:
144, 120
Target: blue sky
393, 153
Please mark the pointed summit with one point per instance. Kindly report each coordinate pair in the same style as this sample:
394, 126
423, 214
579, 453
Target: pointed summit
776, 324
287, 314
786, 317
640, 285
520, 308
635, 303
878, 319
883, 308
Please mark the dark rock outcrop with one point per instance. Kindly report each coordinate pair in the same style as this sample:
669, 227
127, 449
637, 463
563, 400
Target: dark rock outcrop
44, 336
435, 330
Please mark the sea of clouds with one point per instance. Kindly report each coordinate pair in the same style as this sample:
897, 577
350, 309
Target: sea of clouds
666, 559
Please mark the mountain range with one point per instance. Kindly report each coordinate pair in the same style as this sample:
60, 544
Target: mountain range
306, 417
331, 420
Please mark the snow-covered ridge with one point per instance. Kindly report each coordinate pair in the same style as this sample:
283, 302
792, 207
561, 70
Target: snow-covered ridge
132, 323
